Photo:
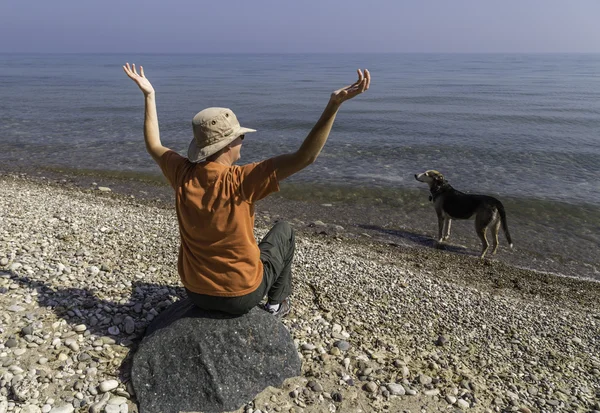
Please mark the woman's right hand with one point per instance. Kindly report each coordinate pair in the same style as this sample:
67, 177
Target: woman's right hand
143, 83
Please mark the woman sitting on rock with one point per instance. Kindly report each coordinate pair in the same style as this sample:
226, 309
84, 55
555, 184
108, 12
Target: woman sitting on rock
220, 264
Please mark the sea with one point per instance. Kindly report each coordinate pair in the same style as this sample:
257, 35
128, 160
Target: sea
522, 127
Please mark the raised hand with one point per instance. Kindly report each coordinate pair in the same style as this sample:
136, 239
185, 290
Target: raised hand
355, 89
143, 83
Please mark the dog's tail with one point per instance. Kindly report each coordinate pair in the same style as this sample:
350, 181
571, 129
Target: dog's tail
504, 223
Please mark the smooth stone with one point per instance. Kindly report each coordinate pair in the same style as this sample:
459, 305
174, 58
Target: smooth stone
432, 392
463, 404
111, 408
396, 389
67, 408
99, 406
315, 386
30, 409
335, 351
108, 385
129, 325
342, 345
117, 400
11, 343
425, 380
370, 387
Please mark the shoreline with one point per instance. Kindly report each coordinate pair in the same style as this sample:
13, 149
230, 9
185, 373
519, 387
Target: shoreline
83, 272
398, 217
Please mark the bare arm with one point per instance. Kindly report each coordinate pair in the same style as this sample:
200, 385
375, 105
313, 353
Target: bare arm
290, 163
151, 131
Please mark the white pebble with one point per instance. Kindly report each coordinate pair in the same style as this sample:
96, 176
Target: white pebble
67, 408
117, 400
450, 399
80, 328
30, 409
108, 385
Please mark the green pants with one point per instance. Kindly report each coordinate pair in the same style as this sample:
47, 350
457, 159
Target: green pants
276, 254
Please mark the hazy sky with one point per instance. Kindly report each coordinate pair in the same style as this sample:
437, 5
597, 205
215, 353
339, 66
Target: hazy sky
188, 26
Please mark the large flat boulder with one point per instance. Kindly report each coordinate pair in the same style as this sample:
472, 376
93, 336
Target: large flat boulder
192, 360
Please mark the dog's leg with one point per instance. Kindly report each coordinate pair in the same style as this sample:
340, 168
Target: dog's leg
484, 242
482, 221
441, 224
447, 229
495, 229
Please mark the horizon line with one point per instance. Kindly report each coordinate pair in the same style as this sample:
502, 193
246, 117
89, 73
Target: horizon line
290, 53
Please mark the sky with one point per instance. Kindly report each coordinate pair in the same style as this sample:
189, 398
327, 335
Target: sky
302, 26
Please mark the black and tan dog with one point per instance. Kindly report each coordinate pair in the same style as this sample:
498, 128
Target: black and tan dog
452, 204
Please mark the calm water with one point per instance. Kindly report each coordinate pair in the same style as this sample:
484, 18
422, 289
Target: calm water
520, 126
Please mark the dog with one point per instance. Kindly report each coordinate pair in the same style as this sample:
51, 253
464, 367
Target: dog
451, 204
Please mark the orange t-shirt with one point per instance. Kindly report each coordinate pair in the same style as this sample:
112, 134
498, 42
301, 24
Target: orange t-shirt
215, 209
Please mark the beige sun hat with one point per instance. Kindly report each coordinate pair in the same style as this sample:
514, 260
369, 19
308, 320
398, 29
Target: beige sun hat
214, 129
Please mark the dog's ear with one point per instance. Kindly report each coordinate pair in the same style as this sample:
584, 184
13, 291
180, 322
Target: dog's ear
438, 177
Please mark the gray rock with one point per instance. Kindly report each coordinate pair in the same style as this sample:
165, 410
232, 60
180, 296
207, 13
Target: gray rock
370, 387
11, 343
99, 406
396, 389
342, 345
194, 360
315, 386
425, 379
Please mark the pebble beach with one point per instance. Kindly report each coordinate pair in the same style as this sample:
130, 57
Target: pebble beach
380, 327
